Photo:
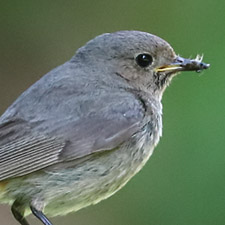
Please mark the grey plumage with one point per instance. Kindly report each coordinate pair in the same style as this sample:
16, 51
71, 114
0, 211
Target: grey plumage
84, 129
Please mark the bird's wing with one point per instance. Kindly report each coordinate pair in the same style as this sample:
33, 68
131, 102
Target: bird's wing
34, 150
26, 153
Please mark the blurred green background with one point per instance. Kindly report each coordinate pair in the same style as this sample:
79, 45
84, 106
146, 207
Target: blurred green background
184, 181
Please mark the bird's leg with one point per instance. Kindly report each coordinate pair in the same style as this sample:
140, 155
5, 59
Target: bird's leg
18, 212
40, 215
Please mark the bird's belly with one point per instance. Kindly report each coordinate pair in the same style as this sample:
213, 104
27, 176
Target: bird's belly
98, 178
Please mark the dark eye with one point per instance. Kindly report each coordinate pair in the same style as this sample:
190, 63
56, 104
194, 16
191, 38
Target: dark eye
144, 60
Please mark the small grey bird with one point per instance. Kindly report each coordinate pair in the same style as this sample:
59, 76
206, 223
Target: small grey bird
82, 131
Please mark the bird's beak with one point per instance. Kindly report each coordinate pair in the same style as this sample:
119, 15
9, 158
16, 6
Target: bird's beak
182, 64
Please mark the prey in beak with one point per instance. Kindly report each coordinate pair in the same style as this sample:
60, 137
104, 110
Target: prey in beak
182, 64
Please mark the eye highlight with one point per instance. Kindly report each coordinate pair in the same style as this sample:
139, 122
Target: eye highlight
144, 60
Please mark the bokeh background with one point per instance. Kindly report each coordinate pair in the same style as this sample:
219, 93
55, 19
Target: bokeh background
184, 181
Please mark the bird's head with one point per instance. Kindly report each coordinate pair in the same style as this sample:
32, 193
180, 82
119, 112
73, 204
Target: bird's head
145, 61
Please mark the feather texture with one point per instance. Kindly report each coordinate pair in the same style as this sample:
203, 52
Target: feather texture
28, 154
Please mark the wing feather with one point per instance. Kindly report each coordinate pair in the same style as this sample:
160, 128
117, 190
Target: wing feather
26, 147
28, 154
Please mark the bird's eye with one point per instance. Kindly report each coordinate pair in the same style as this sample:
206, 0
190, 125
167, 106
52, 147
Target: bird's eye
144, 60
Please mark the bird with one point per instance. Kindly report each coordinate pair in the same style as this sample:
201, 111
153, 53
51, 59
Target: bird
81, 132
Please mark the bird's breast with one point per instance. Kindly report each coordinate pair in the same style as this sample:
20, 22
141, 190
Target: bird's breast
145, 141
